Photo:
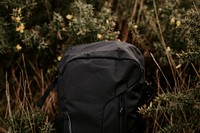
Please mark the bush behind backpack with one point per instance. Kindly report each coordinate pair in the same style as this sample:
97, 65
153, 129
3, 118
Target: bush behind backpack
100, 86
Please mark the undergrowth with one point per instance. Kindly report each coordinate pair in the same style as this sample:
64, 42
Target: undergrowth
35, 33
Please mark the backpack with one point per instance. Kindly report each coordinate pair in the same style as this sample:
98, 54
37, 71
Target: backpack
100, 87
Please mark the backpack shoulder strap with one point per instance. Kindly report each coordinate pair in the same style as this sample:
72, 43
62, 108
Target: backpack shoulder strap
46, 93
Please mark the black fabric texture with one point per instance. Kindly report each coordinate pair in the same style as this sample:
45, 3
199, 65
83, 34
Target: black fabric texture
100, 87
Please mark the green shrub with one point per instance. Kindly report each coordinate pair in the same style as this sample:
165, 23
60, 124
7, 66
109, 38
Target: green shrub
28, 121
35, 33
175, 112
31, 46
176, 105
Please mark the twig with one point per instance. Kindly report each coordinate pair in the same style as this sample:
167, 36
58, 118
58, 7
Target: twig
159, 27
160, 69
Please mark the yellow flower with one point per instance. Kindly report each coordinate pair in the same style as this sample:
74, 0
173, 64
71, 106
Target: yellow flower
135, 26
69, 16
144, 106
20, 28
63, 29
178, 23
99, 36
151, 104
19, 11
17, 19
18, 47
59, 58
178, 66
168, 49
172, 21
107, 21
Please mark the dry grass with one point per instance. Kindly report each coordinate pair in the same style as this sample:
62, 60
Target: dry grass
19, 112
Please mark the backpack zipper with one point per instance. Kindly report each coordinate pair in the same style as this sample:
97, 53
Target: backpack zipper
121, 113
69, 123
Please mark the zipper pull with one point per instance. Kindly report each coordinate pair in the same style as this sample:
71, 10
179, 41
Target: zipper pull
121, 110
121, 113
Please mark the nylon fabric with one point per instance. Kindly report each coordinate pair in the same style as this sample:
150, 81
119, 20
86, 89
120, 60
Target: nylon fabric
100, 87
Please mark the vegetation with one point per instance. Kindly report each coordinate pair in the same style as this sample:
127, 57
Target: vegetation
35, 33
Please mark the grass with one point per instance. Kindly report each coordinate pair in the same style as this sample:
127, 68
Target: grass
174, 108
19, 112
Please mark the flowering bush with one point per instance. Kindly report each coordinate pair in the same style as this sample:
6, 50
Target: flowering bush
35, 33
86, 26
31, 49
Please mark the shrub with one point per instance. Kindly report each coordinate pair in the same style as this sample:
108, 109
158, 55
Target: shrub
30, 48
34, 34
176, 106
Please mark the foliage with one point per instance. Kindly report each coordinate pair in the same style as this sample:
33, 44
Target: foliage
20, 113
175, 107
192, 38
175, 112
169, 30
47, 40
31, 47
86, 26
35, 33
27, 122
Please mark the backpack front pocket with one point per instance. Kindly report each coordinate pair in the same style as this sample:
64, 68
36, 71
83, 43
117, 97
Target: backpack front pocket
113, 116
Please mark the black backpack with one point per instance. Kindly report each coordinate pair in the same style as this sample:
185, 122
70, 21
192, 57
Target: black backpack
100, 87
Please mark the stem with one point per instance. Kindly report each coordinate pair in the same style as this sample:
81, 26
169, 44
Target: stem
159, 27
160, 70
